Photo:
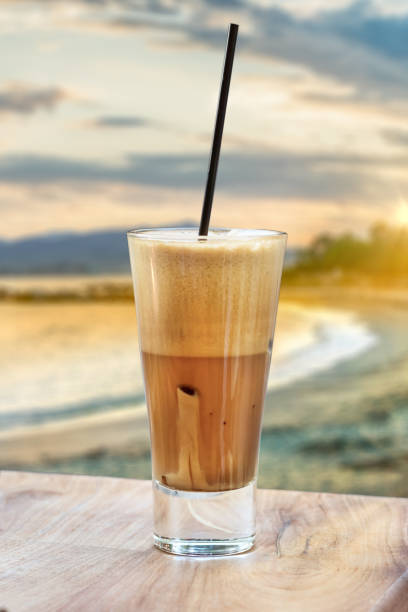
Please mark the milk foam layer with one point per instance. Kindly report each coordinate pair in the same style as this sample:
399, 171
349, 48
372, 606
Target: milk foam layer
213, 297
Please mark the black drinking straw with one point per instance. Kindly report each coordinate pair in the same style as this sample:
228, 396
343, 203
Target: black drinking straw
219, 126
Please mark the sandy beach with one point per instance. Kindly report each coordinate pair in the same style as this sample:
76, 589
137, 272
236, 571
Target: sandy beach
336, 412
345, 428
72, 381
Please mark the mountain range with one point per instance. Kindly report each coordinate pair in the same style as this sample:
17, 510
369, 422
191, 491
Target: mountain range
101, 252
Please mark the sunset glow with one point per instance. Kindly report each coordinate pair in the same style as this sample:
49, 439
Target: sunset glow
106, 113
402, 213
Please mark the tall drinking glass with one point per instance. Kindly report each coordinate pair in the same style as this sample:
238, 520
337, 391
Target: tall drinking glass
206, 310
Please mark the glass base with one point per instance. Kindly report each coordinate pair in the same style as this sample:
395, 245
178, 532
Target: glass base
204, 523
206, 548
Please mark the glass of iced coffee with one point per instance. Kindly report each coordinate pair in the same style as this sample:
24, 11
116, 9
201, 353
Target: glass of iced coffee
206, 310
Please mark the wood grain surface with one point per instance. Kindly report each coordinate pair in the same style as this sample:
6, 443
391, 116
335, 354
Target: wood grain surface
77, 543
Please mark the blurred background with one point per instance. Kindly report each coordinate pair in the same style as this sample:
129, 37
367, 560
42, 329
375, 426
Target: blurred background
106, 114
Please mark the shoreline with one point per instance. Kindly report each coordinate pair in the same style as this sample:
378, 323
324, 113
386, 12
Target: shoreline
73, 288
66, 361
125, 430
122, 430
345, 295
344, 430
341, 429
338, 335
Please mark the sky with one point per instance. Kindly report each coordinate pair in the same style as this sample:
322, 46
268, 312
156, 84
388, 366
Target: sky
107, 109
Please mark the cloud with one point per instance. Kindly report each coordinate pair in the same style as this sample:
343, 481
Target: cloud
341, 178
339, 44
386, 34
355, 45
26, 99
226, 4
118, 121
398, 137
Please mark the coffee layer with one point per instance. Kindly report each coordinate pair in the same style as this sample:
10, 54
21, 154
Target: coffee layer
205, 419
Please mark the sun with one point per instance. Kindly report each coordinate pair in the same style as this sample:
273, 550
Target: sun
401, 213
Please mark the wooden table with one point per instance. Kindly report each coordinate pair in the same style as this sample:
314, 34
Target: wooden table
83, 543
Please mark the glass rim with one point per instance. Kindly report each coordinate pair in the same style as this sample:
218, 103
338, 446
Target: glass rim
175, 234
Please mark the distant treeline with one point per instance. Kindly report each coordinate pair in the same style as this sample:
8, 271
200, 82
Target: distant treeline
381, 258
103, 292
